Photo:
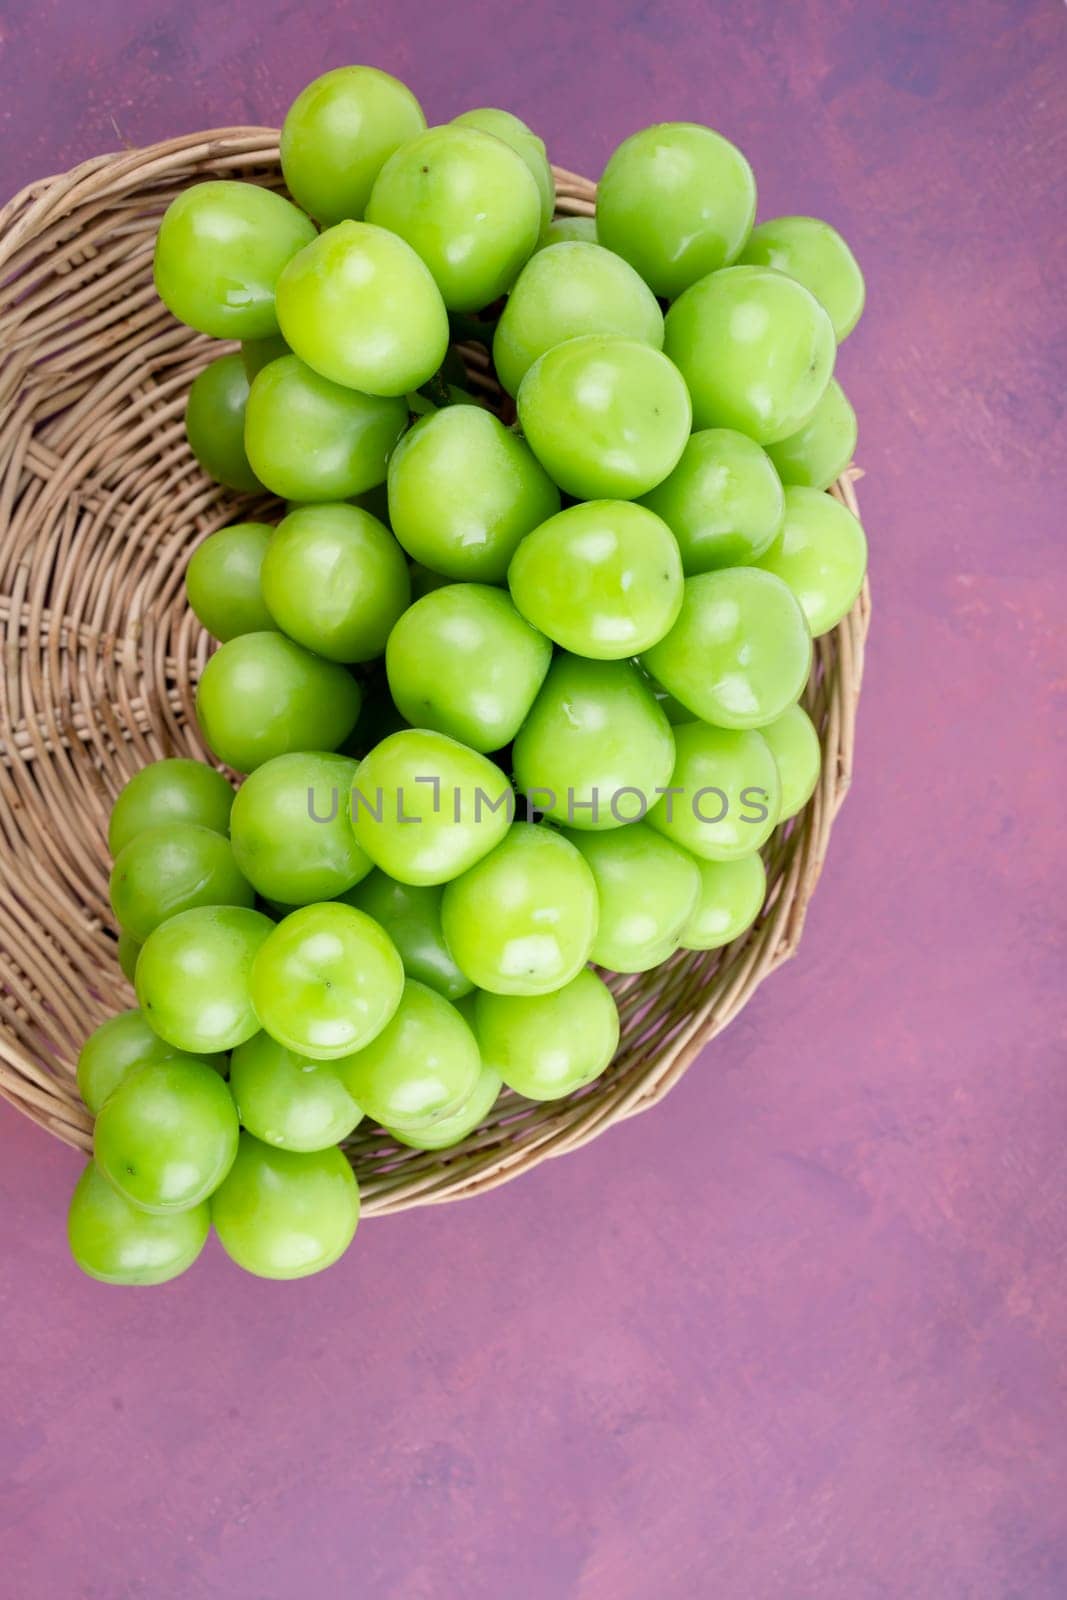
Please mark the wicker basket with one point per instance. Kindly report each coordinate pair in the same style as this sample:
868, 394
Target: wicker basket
101, 503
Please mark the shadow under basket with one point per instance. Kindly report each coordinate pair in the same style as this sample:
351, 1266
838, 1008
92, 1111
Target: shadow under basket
101, 504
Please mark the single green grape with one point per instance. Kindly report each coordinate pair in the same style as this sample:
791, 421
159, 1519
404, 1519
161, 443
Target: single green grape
546, 1046
677, 201
561, 229
326, 981
798, 756
286, 1213
740, 652
444, 1132
170, 869
359, 306
425, 807
336, 581
127, 951
115, 1241
755, 349
337, 134
167, 1135
262, 695
175, 790
215, 423
731, 897
463, 492
525, 143
193, 977
463, 661
603, 579
523, 919
647, 890
424, 1064
311, 440
567, 290
467, 203
411, 916
821, 554
290, 828
606, 417
815, 255
724, 793
596, 747
723, 502
222, 581
821, 450
287, 1100
259, 353
219, 253
116, 1048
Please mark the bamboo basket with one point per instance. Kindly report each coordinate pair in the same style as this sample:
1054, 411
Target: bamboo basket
101, 504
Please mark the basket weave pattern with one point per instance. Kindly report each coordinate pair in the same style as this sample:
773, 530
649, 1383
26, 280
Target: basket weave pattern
101, 504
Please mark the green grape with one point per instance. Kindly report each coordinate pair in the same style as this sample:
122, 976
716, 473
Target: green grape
193, 977
326, 981
286, 1213
167, 1136
220, 250
565, 291
756, 350
606, 417
337, 134
463, 661
463, 492
360, 307
287, 1100
723, 501
176, 790
596, 746
222, 581
647, 889
546, 1046
425, 808
336, 581
525, 143
127, 951
798, 756
215, 423
290, 828
819, 453
411, 916
602, 579
672, 709
171, 869
523, 919
815, 255
724, 793
821, 553
311, 440
444, 1132
261, 695
467, 204
259, 353
677, 201
116, 1242
561, 229
424, 1064
112, 1051
740, 652
731, 896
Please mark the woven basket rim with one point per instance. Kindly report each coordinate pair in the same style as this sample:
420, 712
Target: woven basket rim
59, 668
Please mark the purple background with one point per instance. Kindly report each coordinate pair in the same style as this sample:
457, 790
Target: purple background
800, 1332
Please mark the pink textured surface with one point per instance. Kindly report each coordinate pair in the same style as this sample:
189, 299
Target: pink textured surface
799, 1334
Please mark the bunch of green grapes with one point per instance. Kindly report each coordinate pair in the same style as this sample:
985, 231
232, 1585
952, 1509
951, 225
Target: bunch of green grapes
510, 701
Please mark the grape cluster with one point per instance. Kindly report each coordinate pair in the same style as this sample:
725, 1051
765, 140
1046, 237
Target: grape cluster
515, 696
